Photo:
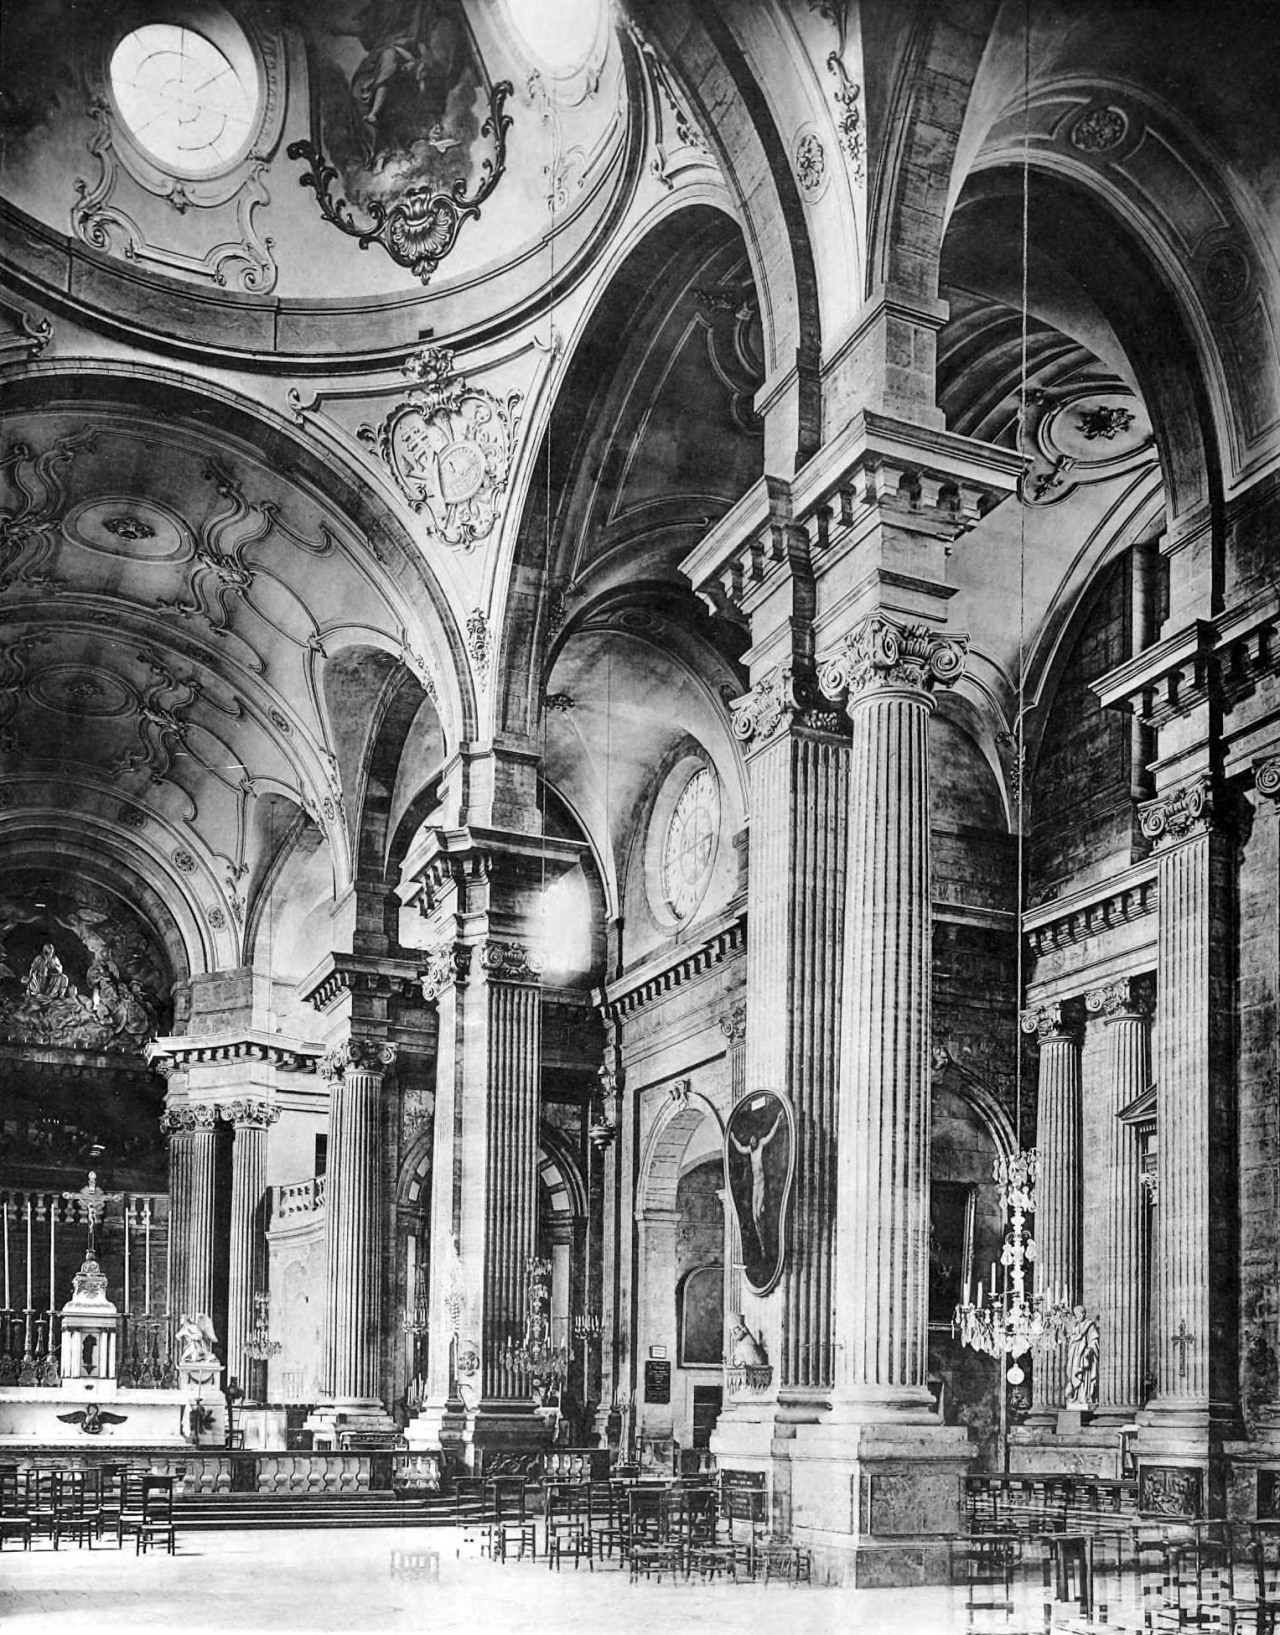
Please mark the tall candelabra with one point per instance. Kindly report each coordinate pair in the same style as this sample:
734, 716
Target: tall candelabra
535, 1354
1009, 1321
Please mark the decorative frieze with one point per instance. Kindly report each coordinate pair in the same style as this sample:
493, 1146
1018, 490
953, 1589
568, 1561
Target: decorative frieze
885, 654
358, 1055
1060, 1019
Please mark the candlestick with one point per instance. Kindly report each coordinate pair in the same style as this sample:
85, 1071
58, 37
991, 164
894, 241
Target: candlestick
53, 1230
146, 1245
7, 1301
29, 1305
128, 1207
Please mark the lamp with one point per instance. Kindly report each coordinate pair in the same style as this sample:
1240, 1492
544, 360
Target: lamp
535, 1354
258, 1343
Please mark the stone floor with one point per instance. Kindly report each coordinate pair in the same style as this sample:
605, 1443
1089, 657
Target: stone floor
343, 1580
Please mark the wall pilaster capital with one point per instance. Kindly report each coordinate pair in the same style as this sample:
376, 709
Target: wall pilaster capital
1130, 999
506, 960
783, 697
1060, 1021
733, 1024
1266, 777
358, 1056
446, 966
1188, 812
249, 1114
192, 1115
886, 655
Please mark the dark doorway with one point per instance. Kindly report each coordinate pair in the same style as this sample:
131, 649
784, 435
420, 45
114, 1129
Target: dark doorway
707, 1401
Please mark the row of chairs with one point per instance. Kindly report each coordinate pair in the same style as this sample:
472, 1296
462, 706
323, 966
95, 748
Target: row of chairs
84, 1504
675, 1530
1141, 1579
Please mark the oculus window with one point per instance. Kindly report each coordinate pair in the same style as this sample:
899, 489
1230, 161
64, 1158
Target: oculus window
689, 848
191, 104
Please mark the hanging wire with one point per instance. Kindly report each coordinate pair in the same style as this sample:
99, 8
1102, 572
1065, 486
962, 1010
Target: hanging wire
1019, 725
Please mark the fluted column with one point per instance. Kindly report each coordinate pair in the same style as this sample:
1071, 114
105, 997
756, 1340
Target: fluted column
250, 1121
513, 1000
192, 1130
798, 764
882, 1214
1124, 1009
1195, 1323
353, 1273
1057, 1028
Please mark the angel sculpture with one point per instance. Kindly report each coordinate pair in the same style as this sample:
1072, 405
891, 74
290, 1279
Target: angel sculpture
93, 1420
195, 1338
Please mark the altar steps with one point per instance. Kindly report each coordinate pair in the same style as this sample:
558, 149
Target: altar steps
228, 1512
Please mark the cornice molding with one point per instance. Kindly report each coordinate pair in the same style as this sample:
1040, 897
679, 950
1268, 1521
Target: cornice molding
286, 1055
654, 980
1228, 656
1093, 909
339, 974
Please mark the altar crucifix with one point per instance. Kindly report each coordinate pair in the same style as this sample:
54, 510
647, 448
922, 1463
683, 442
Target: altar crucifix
93, 1200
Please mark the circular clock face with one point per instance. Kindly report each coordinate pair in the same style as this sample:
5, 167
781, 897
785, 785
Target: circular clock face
690, 849
183, 99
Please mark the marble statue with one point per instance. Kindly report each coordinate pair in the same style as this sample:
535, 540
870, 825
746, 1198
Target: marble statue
1082, 1360
195, 1339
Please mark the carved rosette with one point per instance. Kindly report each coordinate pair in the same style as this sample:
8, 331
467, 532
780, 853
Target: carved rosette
358, 1056
883, 655
1131, 999
445, 967
781, 697
1184, 813
1266, 777
250, 1115
1062, 1019
193, 1115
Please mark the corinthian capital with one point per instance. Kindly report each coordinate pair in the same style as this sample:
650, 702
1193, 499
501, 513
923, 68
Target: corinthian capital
1181, 814
1061, 1019
511, 961
358, 1056
780, 697
883, 654
445, 966
192, 1115
1129, 998
250, 1115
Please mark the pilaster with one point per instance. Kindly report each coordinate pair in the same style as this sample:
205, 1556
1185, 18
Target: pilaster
192, 1129
1195, 1326
1124, 1010
1058, 1030
250, 1120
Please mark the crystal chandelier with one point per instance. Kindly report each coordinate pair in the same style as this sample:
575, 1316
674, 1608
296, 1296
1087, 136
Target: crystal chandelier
259, 1345
1008, 1321
545, 1363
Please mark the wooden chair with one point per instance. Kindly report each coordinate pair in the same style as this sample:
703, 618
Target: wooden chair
14, 1521
78, 1513
153, 1519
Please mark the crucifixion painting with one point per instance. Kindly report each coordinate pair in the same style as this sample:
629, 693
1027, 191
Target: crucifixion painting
759, 1151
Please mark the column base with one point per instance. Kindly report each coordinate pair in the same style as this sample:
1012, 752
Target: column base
1180, 1454
877, 1501
439, 1427
504, 1438
1062, 1444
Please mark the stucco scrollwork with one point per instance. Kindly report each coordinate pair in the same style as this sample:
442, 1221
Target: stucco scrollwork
249, 1114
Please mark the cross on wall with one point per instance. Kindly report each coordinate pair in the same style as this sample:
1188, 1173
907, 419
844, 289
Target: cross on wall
1182, 1339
